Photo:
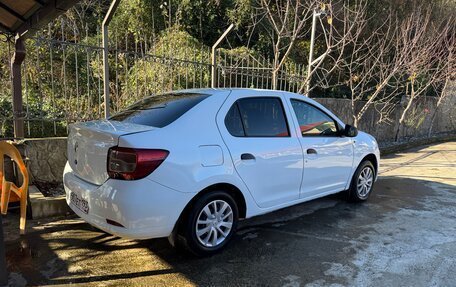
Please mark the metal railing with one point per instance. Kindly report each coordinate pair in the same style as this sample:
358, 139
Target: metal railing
244, 70
63, 77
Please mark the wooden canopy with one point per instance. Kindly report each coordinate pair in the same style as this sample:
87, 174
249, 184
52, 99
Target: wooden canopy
21, 17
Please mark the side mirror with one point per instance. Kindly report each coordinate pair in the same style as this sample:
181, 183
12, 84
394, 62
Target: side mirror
350, 131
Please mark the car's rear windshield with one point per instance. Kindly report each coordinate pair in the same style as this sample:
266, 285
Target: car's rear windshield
160, 110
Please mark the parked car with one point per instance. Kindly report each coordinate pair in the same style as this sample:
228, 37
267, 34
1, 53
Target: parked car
188, 165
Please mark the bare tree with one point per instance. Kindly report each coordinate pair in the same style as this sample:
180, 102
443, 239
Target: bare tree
285, 22
371, 68
344, 23
425, 61
445, 86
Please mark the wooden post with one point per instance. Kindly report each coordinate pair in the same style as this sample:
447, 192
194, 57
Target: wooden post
16, 81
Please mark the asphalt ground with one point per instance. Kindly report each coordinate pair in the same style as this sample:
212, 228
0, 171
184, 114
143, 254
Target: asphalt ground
404, 235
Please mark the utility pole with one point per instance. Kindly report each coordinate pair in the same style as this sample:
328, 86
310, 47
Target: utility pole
312, 41
214, 57
104, 28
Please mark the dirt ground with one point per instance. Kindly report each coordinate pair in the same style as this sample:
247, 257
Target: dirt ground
404, 235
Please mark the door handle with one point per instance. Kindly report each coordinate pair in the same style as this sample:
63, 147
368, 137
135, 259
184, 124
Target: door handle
247, 156
311, 151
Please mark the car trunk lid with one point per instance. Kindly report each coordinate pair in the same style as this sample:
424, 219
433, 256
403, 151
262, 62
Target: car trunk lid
88, 145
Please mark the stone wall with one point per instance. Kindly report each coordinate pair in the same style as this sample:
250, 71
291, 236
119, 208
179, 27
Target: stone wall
47, 157
417, 123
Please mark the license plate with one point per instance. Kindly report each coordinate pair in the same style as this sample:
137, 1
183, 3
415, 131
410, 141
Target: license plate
80, 203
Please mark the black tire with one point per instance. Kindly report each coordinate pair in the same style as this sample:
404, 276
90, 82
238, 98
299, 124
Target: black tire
186, 237
354, 193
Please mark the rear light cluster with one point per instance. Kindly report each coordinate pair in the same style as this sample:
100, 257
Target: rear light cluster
131, 163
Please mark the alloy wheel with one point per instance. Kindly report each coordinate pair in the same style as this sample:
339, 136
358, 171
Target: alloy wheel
365, 181
214, 223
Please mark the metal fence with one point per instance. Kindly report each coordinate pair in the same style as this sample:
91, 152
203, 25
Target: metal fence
245, 70
62, 76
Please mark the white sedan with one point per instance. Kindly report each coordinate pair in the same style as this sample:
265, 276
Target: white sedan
188, 165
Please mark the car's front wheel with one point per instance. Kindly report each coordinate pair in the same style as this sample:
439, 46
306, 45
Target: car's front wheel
209, 225
362, 182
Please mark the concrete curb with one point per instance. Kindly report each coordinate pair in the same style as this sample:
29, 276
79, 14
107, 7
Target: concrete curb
416, 143
43, 207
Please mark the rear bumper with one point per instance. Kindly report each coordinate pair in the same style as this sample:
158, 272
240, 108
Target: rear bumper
144, 207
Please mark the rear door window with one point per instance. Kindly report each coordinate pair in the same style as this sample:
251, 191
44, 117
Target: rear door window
257, 117
160, 110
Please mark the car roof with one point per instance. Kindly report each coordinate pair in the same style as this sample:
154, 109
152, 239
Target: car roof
219, 90
215, 91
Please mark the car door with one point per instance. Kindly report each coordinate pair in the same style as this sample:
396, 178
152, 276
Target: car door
267, 158
328, 156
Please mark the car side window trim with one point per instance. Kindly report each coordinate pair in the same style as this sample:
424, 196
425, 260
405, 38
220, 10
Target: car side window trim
236, 102
336, 123
240, 116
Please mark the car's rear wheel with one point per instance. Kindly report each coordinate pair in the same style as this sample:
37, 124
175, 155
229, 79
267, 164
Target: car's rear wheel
362, 182
209, 224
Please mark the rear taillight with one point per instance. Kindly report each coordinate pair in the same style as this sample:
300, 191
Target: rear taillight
130, 163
